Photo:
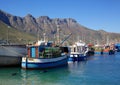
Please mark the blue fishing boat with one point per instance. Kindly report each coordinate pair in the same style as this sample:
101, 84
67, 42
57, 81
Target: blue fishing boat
45, 55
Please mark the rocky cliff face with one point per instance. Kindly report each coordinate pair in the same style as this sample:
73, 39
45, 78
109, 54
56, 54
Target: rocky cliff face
45, 24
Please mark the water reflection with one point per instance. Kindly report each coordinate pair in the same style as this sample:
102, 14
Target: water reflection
44, 77
77, 68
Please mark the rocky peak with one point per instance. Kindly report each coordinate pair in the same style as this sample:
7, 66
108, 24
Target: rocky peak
29, 17
31, 24
43, 19
4, 17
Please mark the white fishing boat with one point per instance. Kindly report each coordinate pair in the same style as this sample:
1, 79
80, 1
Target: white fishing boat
78, 51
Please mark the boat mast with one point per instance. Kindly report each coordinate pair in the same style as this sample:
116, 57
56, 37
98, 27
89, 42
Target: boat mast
107, 40
58, 34
38, 35
44, 33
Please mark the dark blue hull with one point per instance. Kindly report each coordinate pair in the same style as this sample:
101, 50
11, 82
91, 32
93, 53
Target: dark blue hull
41, 65
82, 58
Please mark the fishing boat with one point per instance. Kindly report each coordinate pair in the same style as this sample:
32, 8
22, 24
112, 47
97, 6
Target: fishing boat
117, 46
77, 51
45, 55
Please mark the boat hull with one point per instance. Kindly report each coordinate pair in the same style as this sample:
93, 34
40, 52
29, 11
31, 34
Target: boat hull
76, 57
40, 63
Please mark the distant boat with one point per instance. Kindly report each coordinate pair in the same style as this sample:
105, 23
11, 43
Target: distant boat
44, 55
117, 46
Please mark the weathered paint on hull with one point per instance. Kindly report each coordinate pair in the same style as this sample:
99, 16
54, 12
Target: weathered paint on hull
43, 63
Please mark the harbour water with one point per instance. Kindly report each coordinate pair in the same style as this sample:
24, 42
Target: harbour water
97, 70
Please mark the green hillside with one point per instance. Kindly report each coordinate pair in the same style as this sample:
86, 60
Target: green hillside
13, 35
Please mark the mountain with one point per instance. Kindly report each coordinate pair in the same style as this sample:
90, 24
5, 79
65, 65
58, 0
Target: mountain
11, 35
32, 25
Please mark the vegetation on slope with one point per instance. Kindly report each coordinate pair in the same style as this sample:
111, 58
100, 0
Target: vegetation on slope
13, 35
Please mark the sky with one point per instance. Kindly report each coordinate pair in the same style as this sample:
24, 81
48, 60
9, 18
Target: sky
94, 14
